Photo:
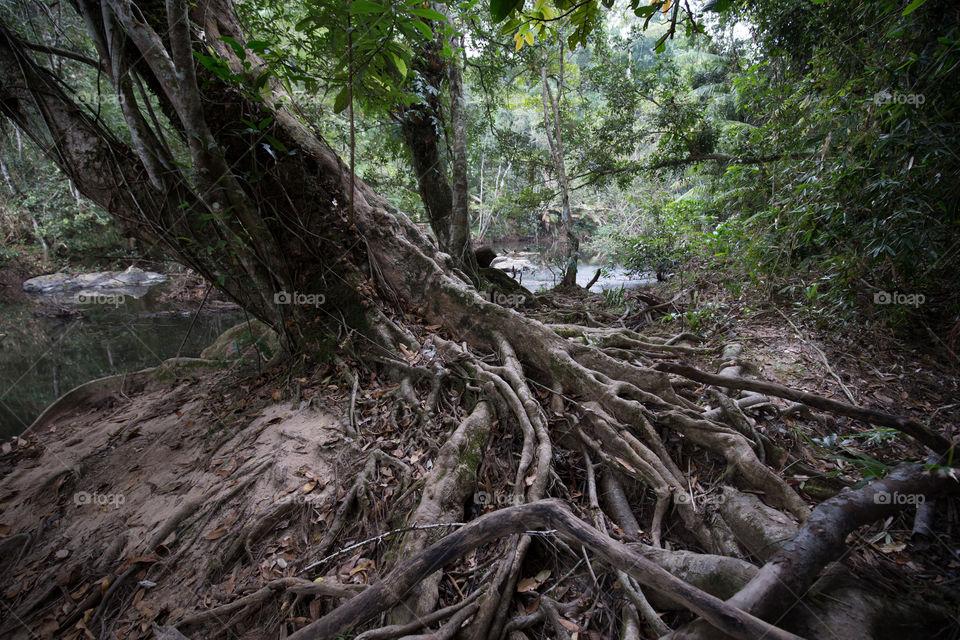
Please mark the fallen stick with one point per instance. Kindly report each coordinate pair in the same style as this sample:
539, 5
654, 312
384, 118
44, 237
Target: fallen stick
551, 514
272, 588
934, 441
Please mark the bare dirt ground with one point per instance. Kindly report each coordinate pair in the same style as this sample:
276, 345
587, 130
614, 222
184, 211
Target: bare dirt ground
244, 501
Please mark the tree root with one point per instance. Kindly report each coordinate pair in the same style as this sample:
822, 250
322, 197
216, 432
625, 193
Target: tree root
629, 586
822, 539
934, 441
273, 588
397, 630
624, 339
546, 513
451, 479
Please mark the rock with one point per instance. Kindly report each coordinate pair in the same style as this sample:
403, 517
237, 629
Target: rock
100, 280
507, 263
237, 340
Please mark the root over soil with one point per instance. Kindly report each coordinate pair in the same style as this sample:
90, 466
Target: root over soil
458, 493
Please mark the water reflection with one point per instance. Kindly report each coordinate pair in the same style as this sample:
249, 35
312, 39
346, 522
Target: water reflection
48, 350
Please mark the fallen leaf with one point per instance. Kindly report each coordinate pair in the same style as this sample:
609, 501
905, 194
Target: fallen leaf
217, 533
527, 584
542, 576
569, 626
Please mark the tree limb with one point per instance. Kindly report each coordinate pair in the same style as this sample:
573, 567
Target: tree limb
789, 574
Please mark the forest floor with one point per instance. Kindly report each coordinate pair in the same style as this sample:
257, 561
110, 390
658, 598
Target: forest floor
231, 499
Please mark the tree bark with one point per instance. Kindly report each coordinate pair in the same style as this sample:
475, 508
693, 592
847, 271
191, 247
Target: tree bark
446, 204
461, 248
551, 121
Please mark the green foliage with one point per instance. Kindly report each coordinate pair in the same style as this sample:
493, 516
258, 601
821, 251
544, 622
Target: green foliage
676, 232
614, 298
863, 130
44, 209
362, 49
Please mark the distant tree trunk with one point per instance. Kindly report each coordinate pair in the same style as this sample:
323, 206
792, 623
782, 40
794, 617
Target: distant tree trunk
11, 187
461, 248
551, 120
447, 205
422, 126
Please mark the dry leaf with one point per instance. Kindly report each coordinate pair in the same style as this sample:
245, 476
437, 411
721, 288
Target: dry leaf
569, 626
527, 584
217, 533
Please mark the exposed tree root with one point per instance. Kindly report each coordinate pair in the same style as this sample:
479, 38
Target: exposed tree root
790, 572
551, 514
935, 441
452, 478
397, 630
272, 589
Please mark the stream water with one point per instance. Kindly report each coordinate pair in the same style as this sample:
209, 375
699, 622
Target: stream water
52, 344
612, 279
536, 276
43, 356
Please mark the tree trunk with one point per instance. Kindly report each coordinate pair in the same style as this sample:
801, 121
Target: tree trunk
461, 248
11, 187
551, 121
422, 127
447, 205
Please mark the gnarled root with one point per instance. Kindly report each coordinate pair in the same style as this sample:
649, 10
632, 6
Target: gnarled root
545, 513
791, 570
